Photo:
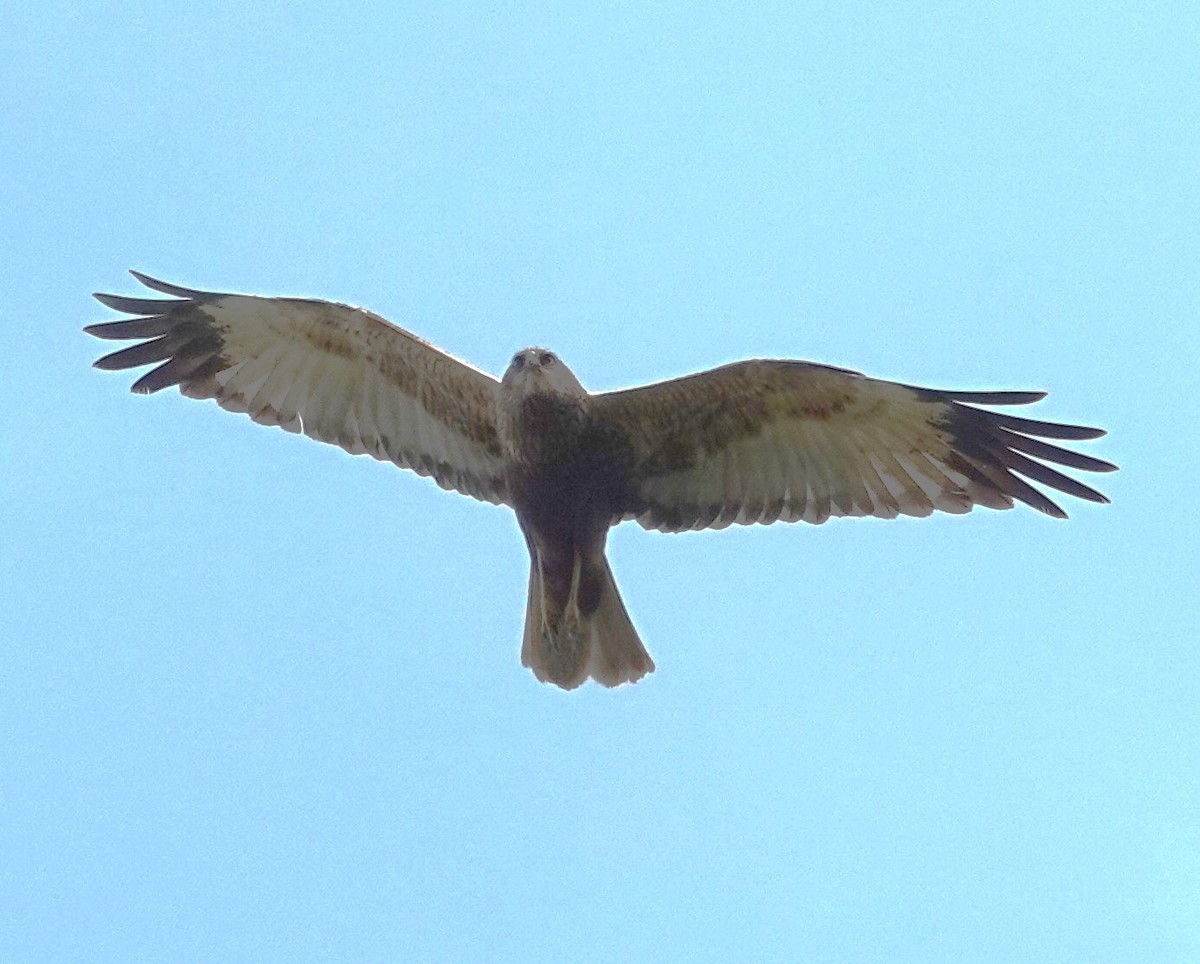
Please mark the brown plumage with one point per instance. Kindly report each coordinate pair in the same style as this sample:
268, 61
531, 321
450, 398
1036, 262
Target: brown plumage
751, 442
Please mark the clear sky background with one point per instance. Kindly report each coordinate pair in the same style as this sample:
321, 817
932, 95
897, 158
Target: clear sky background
261, 700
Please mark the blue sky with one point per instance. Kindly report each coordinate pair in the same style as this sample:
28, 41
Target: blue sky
262, 700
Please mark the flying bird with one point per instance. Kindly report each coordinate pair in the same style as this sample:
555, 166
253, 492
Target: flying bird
756, 441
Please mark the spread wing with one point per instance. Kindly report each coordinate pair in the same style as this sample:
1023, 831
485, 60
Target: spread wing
334, 372
761, 441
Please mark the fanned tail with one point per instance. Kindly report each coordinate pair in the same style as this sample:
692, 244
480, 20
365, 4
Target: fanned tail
565, 646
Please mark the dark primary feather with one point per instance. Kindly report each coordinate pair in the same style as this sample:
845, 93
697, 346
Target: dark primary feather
983, 398
178, 291
139, 306
1053, 453
133, 328
1028, 426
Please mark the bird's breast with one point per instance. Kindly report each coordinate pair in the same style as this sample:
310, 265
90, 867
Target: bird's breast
545, 429
566, 474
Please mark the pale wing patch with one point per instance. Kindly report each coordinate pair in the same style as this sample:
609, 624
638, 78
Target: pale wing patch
337, 373
797, 469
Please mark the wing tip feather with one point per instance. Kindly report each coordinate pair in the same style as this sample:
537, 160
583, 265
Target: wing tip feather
167, 288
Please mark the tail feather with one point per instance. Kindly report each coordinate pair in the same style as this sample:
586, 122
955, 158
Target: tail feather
565, 647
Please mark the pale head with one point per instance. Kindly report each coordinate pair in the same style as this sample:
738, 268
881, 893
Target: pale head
539, 370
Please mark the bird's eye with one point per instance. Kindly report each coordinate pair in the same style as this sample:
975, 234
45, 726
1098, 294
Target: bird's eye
545, 358
518, 361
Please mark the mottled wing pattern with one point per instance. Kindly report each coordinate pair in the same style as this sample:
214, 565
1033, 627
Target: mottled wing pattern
761, 441
337, 373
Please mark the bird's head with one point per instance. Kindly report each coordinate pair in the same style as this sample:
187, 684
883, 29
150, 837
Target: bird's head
538, 370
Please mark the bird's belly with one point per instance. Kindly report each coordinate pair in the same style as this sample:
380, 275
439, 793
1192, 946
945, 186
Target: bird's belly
561, 512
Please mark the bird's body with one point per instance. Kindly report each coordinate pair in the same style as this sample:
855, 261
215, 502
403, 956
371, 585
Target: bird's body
568, 483
752, 442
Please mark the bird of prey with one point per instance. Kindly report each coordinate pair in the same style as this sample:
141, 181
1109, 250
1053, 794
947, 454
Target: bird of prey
751, 442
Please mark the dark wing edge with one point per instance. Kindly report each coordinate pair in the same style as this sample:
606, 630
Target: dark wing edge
188, 346
996, 447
